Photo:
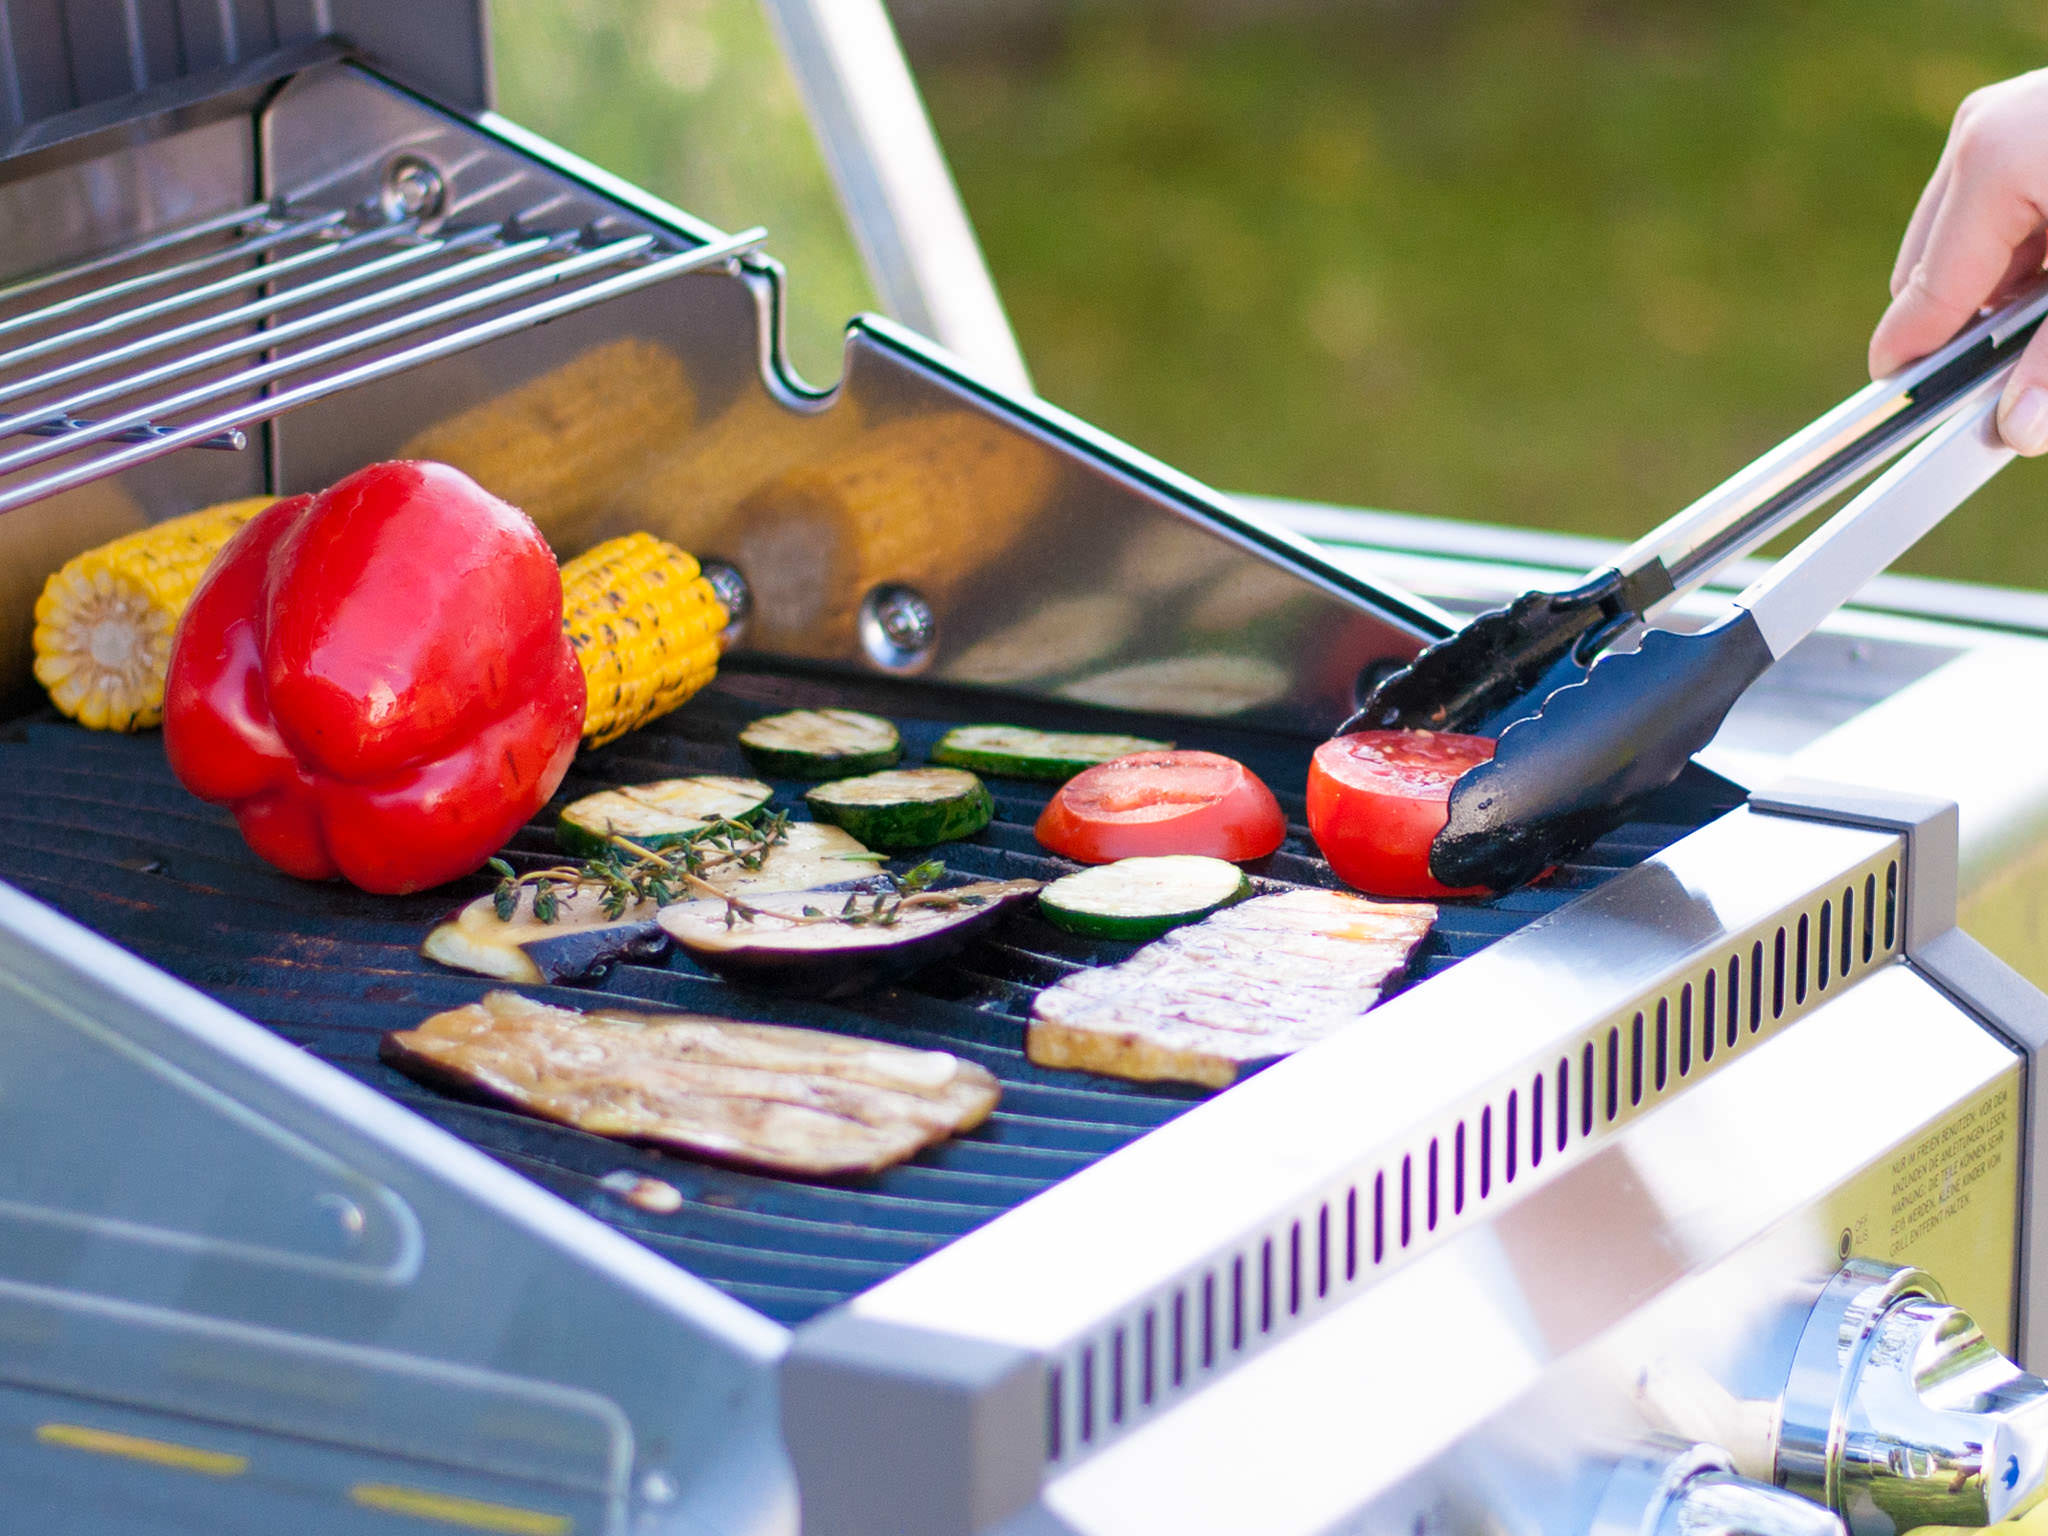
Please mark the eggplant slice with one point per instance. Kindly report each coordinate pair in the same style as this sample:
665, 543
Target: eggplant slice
584, 942
1255, 981
779, 946
765, 1096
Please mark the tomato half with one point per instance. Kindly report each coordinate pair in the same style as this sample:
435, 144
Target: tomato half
1377, 799
1163, 802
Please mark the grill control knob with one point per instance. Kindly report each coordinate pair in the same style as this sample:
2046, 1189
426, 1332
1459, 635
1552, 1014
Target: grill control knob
1899, 1413
1673, 1489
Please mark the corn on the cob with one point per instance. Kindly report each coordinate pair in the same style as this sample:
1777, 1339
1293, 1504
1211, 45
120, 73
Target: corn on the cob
104, 621
645, 624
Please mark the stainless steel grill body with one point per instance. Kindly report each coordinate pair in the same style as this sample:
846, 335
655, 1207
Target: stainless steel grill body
1412, 1279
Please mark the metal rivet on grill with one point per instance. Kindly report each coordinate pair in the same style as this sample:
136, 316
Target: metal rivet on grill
413, 189
736, 596
898, 629
347, 1214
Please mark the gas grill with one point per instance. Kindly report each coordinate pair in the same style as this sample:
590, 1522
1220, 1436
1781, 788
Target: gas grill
1624, 1211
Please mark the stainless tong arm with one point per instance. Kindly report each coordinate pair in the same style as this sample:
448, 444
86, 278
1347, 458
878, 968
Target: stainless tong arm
1888, 518
1781, 487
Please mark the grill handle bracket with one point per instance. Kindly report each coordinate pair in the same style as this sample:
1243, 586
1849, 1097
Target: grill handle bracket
897, 1430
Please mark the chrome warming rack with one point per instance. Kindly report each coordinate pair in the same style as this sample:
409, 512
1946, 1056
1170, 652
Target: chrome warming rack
187, 338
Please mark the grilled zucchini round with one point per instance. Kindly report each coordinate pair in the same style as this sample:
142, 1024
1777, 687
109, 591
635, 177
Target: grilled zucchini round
1017, 752
1141, 898
820, 743
656, 815
906, 807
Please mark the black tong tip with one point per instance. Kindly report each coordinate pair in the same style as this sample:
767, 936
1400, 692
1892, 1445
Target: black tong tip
1576, 768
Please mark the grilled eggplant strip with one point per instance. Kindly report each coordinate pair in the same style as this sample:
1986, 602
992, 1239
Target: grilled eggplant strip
767, 1096
1257, 980
584, 942
776, 945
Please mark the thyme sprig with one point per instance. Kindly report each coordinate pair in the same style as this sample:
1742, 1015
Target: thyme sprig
627, 873
882, 909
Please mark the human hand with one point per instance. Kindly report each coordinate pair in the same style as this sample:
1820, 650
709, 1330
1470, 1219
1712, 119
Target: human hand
1975, 237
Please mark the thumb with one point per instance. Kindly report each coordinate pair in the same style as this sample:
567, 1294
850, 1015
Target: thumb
2023, 408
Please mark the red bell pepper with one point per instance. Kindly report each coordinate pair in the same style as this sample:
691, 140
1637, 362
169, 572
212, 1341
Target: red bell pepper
375, 679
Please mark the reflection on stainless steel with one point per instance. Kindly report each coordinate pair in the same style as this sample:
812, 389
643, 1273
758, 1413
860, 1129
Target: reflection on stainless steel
1063, 635
1900, 1413
911, 471
1674, 1489
897, 629
736, 597
1212, 685
567, 446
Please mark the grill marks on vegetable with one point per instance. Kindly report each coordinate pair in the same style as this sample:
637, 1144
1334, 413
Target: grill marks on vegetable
803, 944
657, 815
820, 743
799, 1101
906, 807
1255, 981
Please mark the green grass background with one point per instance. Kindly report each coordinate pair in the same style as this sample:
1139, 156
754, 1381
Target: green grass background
1548, 262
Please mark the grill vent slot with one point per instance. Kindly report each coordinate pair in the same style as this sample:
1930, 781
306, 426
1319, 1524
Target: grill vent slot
1704, 1008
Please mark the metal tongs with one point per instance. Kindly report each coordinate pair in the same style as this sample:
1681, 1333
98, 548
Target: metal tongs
1615, 727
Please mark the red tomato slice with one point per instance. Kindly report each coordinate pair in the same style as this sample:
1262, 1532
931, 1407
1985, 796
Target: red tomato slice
1377, 799
1163, 802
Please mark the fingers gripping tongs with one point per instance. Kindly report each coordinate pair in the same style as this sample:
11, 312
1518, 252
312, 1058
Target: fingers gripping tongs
1572, 769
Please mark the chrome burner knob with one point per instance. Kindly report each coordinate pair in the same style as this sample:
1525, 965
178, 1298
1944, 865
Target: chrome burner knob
1900, 1413
1675, 1489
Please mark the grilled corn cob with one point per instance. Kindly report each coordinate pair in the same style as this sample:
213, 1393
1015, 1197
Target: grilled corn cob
645, 624
104, 621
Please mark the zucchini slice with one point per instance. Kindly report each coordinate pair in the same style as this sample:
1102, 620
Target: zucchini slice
820, 743
906, 807
656, 815
1139, 899
1019, 753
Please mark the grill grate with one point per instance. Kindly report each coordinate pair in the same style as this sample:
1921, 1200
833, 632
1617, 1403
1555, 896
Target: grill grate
98, 828
188, 337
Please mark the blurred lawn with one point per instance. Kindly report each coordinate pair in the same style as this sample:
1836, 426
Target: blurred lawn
690, 100
1536, 261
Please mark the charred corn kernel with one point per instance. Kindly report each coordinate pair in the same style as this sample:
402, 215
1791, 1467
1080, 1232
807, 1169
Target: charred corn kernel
104, 622
645, 624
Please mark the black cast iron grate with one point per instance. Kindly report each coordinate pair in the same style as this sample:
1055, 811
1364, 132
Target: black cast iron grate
96, 826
